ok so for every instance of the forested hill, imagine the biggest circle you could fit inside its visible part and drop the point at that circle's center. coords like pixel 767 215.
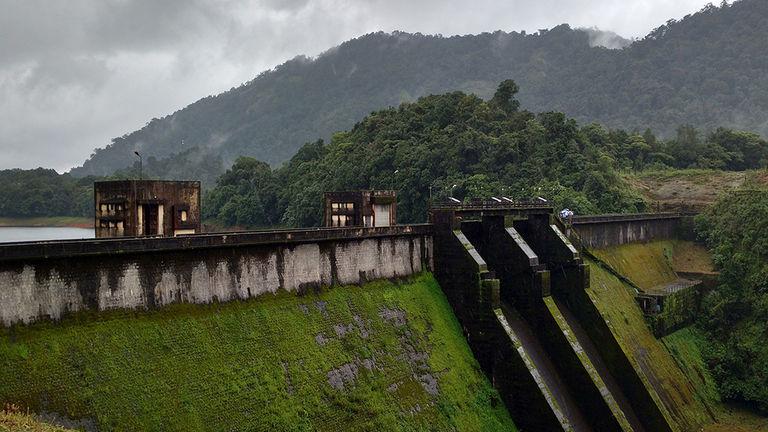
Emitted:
pixel 709 69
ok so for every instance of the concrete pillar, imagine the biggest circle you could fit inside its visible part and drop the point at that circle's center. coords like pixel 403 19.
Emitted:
pixel 140 223
pixel 160 220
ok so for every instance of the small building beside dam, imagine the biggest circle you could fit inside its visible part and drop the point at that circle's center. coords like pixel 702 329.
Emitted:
pixel 136 208
pixel 366 208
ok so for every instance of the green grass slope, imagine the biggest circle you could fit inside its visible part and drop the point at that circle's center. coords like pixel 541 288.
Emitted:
pixel 648 265
pixel 384 356
pixel 653 265
pixel 685 345
pixel 670 387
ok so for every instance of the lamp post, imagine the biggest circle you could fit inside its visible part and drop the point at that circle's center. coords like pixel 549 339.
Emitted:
pixel 431 186
pixel 140 164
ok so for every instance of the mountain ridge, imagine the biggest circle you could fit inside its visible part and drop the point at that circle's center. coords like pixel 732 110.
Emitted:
pixel 666 79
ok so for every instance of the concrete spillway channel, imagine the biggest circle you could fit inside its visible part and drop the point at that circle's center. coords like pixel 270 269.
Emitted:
pixel 556 351
pixel 542 370
pixel 589 350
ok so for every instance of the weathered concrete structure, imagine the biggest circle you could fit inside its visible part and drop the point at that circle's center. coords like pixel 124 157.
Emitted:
pixel 50 279
pixel 518 287
pixel 514 278
pixel 367 208
pixel 612 230
pixel 131 208
pixel 669 306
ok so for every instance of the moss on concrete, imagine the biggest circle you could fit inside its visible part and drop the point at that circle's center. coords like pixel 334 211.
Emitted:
pixel 385 356
pixel 669 386
pixel 691 257
pixel 685 346
pixel 647 265
pixel 653 265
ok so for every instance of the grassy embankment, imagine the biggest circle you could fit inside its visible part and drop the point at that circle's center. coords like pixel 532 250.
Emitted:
pixel 686 347
pixel 672 390
pixel 673 366
pixel 652 265
pixel 384 356
pixel 52 221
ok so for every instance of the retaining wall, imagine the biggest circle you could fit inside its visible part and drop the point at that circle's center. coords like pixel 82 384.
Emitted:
pixel 49 279
pixel 613 230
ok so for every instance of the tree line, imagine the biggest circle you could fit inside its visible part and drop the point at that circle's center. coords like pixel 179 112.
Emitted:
pixel 735 314
pixel 455 143
pixel 459 144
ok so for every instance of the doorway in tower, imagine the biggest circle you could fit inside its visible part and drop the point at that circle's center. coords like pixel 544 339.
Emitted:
pixel 150 219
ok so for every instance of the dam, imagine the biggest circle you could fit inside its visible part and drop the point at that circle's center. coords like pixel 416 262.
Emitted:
pixel 525 290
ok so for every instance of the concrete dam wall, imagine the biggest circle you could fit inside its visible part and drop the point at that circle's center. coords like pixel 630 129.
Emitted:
pixel 541 325
pixel 613 230
pixel 525 298
pixel 48 280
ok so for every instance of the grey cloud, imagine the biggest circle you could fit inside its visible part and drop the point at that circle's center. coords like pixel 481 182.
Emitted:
pixel 76 73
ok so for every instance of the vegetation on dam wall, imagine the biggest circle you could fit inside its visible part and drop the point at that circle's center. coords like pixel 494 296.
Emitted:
pixel 652 265
pixel 670 387
pixel 384 356
pixel 685 345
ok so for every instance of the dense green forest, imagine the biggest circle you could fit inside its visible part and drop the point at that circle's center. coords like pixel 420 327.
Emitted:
pixel 706 70
pixel 483 147
pixel 44 192
pixel 458 143
pixel 736 229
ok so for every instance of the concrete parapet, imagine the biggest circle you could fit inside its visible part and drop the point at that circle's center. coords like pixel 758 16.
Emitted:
pixel 119 246
pixel 50 279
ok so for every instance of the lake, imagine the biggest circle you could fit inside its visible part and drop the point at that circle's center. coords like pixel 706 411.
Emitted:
pixel 17 234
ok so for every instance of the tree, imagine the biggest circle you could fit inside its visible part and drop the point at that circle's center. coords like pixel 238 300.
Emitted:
pixel 245 195
pixel 504 98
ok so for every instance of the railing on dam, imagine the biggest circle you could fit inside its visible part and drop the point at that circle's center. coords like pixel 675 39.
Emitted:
pixel 618 217
pixel 494 205
pixel 112 246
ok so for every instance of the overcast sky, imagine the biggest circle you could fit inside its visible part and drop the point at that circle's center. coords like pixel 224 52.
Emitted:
pixel 76 73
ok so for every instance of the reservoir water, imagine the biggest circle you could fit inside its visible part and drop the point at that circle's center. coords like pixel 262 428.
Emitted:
pixel 18 234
